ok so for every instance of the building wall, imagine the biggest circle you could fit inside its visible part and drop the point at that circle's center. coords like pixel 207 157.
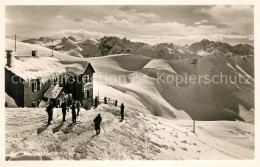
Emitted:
pixel 14 89
pixel 77 89
pixel 30 96
pixel 87 102
pixel 24 96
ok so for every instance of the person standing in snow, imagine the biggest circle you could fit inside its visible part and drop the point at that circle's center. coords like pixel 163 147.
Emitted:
pixel 63 109
pixel 69 99
pixel 116 103
pixel 105 100
pixel 97 122
pixel 49 110
pixel 78 105
pixel 122 111
pixel 73 111
pixel 96 102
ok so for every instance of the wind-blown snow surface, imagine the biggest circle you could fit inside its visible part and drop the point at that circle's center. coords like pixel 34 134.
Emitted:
pixel 209 101
pixel 139 136
pixel 136 76
pixel 168 135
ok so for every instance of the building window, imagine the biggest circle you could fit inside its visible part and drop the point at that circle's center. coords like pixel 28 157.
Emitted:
pixel 63 79
pixel 88 93
pixel 55 80
pixel 86 78
pixel 36 85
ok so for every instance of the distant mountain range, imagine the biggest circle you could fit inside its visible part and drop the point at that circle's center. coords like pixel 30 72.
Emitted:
pixel 114 45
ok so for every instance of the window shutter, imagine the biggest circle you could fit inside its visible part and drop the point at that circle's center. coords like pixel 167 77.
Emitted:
pixel 38 84
pixel 32 86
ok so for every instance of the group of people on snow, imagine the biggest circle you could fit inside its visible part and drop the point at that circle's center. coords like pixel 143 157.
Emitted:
pixel 66 104
pixel 69 103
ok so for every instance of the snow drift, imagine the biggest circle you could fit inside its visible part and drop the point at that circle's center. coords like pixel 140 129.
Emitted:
pixel 9 101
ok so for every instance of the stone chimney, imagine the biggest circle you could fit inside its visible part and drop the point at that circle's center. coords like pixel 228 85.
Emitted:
pixel 9 58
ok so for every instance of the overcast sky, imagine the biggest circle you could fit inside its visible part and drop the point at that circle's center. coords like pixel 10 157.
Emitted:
pixel 150 24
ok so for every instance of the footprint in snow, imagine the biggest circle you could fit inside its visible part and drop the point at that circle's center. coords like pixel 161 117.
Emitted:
pixel 183 148
pixel 184 141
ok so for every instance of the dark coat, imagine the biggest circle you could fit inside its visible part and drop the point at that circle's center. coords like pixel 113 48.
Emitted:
pixel 73 110
pixel 97 121
pixel 64 107
pixel 49 108
pixel 78 105
pixel 122 107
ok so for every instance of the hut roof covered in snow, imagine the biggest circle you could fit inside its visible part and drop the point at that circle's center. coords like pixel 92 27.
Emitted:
pixel 84 64
pixel 43 67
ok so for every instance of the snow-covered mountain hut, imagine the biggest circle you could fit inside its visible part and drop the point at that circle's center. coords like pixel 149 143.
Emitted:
pixel 30 79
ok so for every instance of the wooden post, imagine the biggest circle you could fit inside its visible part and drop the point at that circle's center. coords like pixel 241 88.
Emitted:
pixel 194 119
pixel 15 43
pixel 194 126
pixel 52 47
pixel 98 97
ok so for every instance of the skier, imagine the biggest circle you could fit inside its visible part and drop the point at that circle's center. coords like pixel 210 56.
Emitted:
pixel 116 103
pixel 105 100
pixel 69 99
pixel 78 105
pixel 96 102
pixel 73 111
pixel 97 121
pixel 122 111
pixel 64 108
pixel 49 110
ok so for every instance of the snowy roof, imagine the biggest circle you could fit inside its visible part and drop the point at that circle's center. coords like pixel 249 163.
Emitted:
pixel 44 67
pixel 53 92
pixel 83 64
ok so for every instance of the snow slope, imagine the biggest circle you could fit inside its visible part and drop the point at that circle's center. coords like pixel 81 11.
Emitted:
pixel 140 136
pixel 134 83
pixel 209 101
pixel 9 101
pixel 135 76
pixel 156 125
pixel 24 49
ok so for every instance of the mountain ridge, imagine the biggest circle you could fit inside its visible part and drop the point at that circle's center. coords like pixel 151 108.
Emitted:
pixel 108 45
